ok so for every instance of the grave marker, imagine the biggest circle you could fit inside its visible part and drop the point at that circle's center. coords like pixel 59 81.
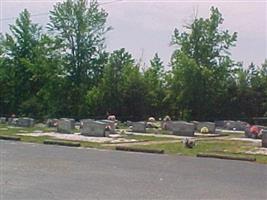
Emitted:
pixel 209 125
pixel 264 138
pixel 94 128
pixel 139 127
pixel 182 128
pixel 2 120
pixel 66 125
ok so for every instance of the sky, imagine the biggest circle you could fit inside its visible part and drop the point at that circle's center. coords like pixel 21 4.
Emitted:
pixel 145 27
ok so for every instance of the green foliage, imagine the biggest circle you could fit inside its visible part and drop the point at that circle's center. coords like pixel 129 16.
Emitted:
pixel 122 89
pixel 66 72
pixel 27 64
pixel 79 26
pixel 156 81
pixel 201 68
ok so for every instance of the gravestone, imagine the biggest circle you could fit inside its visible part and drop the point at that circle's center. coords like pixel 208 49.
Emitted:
pixel 25 122
pixel 94 128
pixel 182 128
pixel 139 127
pixel 52 122
pixel 235 125
pixel 195 122
pixel 220 124
pixel 65 125
pixel 209 125
pixel 166 125
pixel 110 124
pixel 13 121
pixel 2 120
pixel 129 123
pixel 264 138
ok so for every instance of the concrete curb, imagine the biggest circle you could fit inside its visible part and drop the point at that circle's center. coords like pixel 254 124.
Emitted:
pixel 225 157
pixel 133 149
pixel 13 138
pixel 62 143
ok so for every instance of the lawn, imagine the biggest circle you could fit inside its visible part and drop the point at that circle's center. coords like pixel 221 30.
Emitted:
pixel 222 147
pixel 209 145
pixel 148 138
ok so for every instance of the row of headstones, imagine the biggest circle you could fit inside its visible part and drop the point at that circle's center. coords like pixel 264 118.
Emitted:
pixel 232 125
pixel 21 122
pixel 181 128
pixel 88 127
pixel 176 126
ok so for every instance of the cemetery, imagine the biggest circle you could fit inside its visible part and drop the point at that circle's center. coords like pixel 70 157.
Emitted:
pixel 169 136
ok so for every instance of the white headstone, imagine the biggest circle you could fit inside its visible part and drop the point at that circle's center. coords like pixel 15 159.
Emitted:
pixel 94 128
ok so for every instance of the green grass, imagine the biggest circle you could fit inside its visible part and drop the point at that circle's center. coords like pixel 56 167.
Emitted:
pixel 16 130
pixel 62 143
pixel 208 146
pixel 147 138
pixel 40 139
pixel 203 146
pixel 216 146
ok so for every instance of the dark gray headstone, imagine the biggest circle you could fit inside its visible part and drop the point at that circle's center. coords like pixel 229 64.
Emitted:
pixel 139 127
pixel 235 125
pixel 25 122
pixel 195 122
pixel 181 128
pixel 220 124
pixel 209 125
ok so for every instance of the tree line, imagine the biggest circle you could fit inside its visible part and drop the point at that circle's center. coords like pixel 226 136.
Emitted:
pixel 64 70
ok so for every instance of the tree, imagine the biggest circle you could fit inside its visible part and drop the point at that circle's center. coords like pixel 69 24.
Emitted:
pixel 27 63
pixel 251 88
pixel 134 94
pixel 122 89
pixel 108 92
pixel 80 27
pixel 201 66
pixel 155 81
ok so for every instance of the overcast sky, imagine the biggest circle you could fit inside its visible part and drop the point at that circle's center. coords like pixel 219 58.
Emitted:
pixel 144 27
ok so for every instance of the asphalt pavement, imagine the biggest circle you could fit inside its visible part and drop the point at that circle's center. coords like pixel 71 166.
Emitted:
pixel 36 171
